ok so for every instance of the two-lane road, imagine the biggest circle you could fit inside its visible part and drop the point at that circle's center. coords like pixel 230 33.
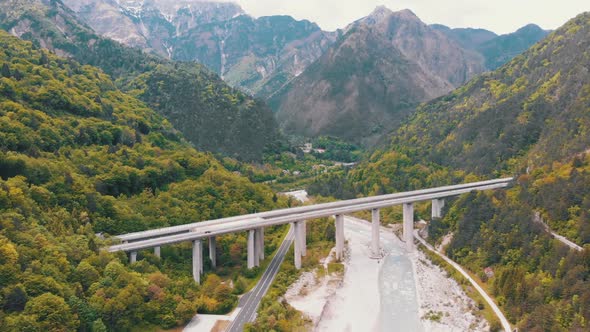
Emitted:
pixel 249 302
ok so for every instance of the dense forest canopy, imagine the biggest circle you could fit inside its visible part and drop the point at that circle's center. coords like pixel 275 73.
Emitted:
pixel 78 157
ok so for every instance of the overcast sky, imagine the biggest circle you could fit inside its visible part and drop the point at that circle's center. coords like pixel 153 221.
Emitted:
pixel 500 16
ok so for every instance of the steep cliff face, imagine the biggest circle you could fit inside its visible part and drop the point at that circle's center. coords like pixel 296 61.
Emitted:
pixel 257 55
pixel 150 24
pixel 365 83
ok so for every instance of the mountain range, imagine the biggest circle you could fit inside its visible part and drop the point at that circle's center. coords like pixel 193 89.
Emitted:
pixel 256 55
pixel 277 58
pixel 496 50
pixel 376 72
pixel 357 83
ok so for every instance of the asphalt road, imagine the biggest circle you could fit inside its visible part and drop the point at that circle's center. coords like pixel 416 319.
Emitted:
pixel 250 301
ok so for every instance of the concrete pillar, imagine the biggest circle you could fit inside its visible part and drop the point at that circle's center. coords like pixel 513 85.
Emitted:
pixel 303 238
pixel 213 251
pixel 157 252
pixel 197 260
pixel 409 225
pixel 251 249
pixel 261 237
pixel 133 257
pixel 375 234
pixel 339 236
pixel 257 247
pixel 437 206
pixel 297 243
pixel 201 265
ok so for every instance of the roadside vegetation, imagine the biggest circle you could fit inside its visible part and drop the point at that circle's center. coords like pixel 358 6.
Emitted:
pixel 274 313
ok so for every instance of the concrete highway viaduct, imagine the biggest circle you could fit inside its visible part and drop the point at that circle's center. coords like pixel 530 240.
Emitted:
pixel 255 224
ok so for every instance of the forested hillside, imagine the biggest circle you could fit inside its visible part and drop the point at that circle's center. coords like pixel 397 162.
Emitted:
pixel 528 119
pixel 78 157
pixel 210 114
pixel 528 113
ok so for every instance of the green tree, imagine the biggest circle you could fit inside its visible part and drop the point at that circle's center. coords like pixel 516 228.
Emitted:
pixel 5 71
pixel 15 298
pixel 51 313
pixel 85 274
pixel 98 326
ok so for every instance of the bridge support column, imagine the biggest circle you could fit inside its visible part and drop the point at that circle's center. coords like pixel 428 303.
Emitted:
pixel 157 252
pixel 213 251
pixel 133 257
pixel 437 206
pixel 251 249
pixel 339 236
pixel 197 260
pixel 297 244
pixel 261 243
pixel 257 246
pixel 409 225
pixel 375 232
pixel 303 237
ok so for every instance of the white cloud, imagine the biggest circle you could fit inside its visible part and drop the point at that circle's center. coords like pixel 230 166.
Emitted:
pixel 500 16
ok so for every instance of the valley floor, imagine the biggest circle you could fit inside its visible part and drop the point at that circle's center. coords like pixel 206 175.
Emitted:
pixel 398 292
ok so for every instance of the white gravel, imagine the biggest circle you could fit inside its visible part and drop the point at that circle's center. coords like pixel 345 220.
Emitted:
pixel 352 303
pixel 441 295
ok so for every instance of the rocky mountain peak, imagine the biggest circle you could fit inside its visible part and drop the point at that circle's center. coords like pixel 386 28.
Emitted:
pixel 380 13
pixel 383 19
pixel 406 14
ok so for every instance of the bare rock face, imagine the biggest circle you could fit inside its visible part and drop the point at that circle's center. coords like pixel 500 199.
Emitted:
pixel 432 50
pixel 150 24
pixel 256 55
pixel 382 67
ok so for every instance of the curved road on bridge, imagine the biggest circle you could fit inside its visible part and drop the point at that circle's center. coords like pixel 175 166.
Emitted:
pixel 249 302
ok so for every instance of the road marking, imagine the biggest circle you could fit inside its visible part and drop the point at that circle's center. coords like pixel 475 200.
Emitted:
pixel 256 294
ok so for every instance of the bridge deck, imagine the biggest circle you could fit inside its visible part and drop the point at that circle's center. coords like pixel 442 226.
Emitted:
pixel 143 235
pixel 190 232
